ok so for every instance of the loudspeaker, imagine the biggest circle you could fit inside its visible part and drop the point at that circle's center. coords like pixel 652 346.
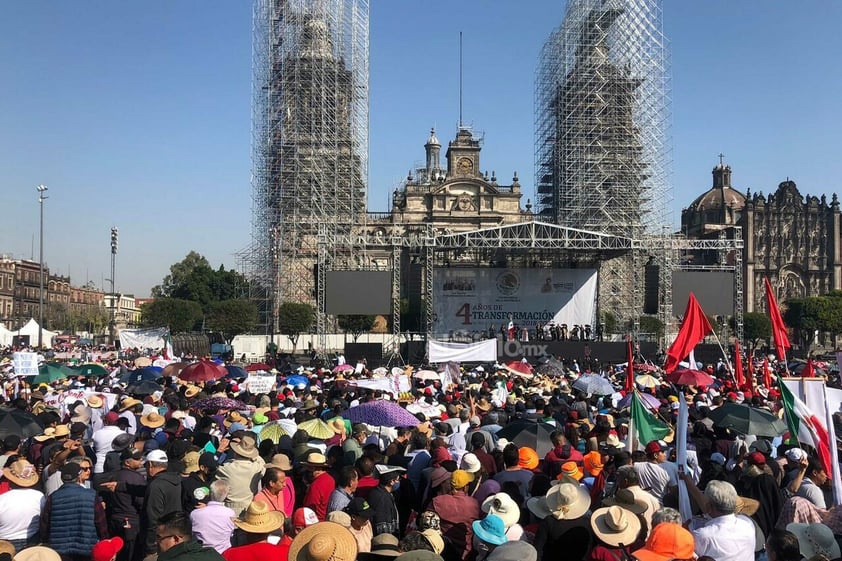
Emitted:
pixel 651 289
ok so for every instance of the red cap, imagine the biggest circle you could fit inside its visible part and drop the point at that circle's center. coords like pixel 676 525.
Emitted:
pixel 106 549
pixel 654 447
pixel 304 517
pixel 757 459
pixel 110 418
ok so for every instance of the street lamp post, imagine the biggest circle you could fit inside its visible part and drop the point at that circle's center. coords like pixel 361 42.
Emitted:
pixel 41 198
pixel 114 236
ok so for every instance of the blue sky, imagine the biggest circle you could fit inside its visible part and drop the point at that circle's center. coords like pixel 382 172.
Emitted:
pixel 137 114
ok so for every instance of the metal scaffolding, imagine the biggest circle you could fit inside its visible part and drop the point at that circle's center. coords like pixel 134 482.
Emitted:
pixel 601 126
pixel 309 145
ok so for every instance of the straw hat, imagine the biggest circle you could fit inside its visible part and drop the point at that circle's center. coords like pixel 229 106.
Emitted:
pixel 280 461
pixel 435 539
pixel 61 431
pixel 258 519
pixel 747 506
pixel 48 433
pixel 21 473
pixel 625 499
pixel 386 545
pixel 153 420
pixel 128 403
pixel 615 525
pixel 38 553
pixel 192 391
pixel 566 501
pixel 234 417
pixel 246 447
pixel 325 541
pixel 95 401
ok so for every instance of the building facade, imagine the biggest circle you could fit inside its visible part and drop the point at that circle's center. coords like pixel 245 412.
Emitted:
pixel 791 239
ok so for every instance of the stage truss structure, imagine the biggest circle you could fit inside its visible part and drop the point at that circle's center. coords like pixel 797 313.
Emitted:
pixel 539 244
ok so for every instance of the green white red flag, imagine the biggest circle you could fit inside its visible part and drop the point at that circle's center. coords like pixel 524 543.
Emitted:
pixel 805 425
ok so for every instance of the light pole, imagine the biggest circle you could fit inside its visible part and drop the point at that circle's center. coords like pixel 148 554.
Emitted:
pixel 41 198
pixel 114 235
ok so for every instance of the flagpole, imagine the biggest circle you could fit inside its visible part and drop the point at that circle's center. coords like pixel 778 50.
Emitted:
pixel 725 356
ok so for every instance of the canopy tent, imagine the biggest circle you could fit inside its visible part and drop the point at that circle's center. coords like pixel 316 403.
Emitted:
pixel 5 336
pixel 31 329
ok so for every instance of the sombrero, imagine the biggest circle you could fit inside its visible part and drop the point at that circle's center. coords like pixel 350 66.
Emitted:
pixel 324 541
pixel 258 519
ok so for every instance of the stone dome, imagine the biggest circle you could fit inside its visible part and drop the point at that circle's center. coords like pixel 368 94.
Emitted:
pixel 721 194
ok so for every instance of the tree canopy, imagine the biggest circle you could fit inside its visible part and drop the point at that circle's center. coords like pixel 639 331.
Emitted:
pixel 295 318
pixel 756 327
pixel 356 325
pixel 177 314
pixel 232 317
pixel 195 280
pixel 807 315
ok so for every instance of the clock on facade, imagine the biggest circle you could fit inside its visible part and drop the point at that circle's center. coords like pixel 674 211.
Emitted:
pixel 465 165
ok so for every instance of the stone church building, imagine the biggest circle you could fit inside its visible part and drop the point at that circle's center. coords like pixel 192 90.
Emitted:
pixel 792 239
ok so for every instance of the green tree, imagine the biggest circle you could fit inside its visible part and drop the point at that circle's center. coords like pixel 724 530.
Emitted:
pixel 294 318
pixel 756 327
pixel 356 325
pixel 194 279
pixel 232 317
pixel 651 324
pixel 177 314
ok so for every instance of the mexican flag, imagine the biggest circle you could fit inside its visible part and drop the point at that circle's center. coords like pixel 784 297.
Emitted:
pixel 806 426
pixel 643 425
pixel 168 351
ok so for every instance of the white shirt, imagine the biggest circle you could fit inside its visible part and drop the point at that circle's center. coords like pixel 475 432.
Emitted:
pixel 20 513
pixel 102 440
pixel 727 538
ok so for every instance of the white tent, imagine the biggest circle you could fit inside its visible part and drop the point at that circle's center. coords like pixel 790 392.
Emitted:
pixel 5 336
pixel 31 329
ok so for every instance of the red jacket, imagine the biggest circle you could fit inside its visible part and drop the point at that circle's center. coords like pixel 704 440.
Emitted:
pixel 318 494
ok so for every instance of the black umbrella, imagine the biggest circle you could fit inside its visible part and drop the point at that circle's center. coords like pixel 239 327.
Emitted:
pixel 21 423
pixel 745 419
pixel 139 375
pixel 144 387
pixel 531 434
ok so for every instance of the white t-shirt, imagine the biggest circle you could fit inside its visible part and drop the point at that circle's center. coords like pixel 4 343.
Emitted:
pixel 102 440
pixel 20 513
pixel 726 538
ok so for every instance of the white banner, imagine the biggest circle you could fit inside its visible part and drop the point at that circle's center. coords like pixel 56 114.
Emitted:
pixel 475 300
pixel 484 351
pixel 152 338
pixel 26 364
pixel 394 384
pixel 260 384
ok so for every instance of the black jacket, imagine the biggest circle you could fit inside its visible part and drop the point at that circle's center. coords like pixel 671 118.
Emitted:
pixel 163 496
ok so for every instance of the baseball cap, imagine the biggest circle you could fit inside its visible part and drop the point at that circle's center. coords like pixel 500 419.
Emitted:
pixel 360 507
pixel 131 453
pixel 757 459
pixel 304 517
pixel 718 458
pixel 207 460
pixel 70 471
pixel 110 418
pixel 668 540
pixel 105 550
pixel 795 454
pixel 654 447
pixel 157 456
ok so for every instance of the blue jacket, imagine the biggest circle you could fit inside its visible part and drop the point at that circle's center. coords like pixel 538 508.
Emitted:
pixel 72 524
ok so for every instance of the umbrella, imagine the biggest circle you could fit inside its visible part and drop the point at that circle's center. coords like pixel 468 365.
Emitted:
pixel 593 384
pixel 273 431
pixel 142 362
pixel 144 387
pixel 258 366
pixel 48 373
pixel 135 376
pixel 745 419
pixel 174 368
pixel 647 381
pixel 202 371
pixel 427 375
pixel 519 368
pixel 214 403
pixel 342 368
pixel 690 377
pixel 91 369
pixel 235 372
pixel 645 367
pixel 381 413
pixel 380 371
pixel 21 423
pixel 648 400
pixel 297 381
pixel 531 434
pixel 798 366
pixel 317 428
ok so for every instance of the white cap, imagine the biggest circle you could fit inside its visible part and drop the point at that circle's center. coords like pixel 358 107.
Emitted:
pixel 157 456
pixel 383 469
pixel 795 454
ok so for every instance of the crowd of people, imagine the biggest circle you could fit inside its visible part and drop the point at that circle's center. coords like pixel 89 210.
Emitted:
pixel 199 471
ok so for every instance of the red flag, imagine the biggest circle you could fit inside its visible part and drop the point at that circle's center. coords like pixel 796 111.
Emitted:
pixel 629 387
pixel 741 379
pixel 778 327
pixel 767 377
pixel 808 371
pixel 693 330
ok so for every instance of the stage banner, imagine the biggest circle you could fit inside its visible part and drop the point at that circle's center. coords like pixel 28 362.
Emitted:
pixel 152 338
pixel 478 300
pixel 441 352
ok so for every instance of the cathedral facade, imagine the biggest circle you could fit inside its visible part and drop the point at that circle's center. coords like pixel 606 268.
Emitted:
pixel 793 240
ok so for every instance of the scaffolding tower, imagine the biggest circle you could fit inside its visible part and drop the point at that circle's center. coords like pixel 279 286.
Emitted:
pixel 309 147
pixel 601 127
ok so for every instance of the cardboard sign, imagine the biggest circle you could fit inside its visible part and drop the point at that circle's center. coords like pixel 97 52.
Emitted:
pixel 260 384
pixel 26 364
